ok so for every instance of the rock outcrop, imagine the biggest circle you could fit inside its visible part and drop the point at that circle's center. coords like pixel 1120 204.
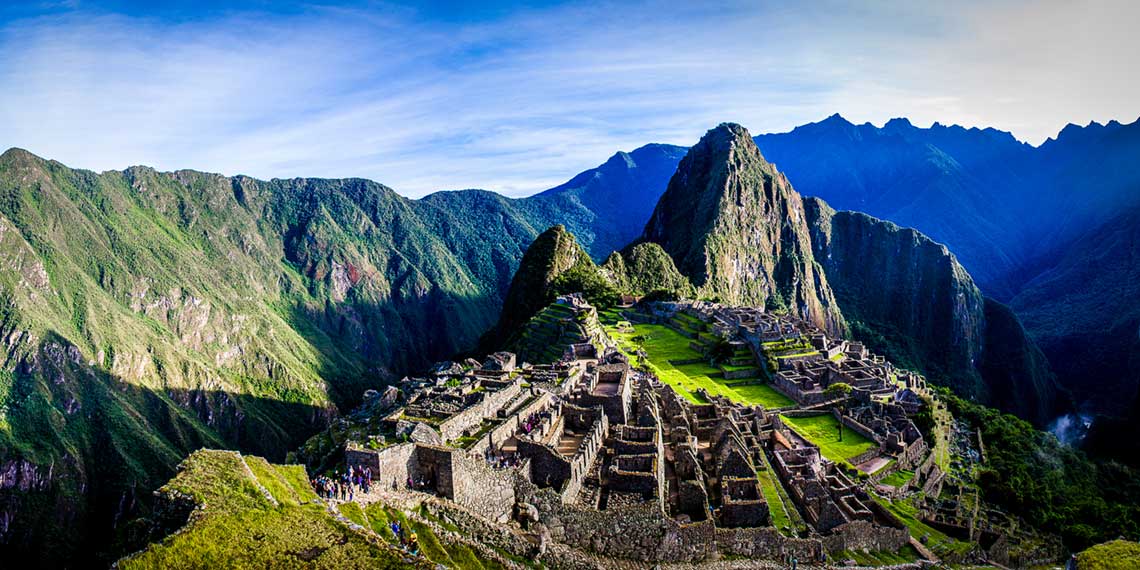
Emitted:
pixel 734 226
pixel 908 297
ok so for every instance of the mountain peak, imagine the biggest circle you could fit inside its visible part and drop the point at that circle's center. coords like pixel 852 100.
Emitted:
pixel 898 123
pixel 16 155
pixel 724 135
pixel 728 218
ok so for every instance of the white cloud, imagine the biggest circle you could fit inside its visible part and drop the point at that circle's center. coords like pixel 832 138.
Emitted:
pixel 522 102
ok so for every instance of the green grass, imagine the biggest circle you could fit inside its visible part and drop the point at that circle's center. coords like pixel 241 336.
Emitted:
pixel 240 528
pixel 898 478
pixel 430 544
pixel 937 541
pixel 272 480
pixel 822 430
pixel 788 520
pixel 737 367
pixel 663 345
pixel 352 512
pixel 1114 555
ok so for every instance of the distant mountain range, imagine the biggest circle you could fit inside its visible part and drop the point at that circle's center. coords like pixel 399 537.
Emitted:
pixel 146 314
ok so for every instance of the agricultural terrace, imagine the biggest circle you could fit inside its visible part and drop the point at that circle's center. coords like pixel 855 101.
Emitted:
pixel 823 431
pixel 663 346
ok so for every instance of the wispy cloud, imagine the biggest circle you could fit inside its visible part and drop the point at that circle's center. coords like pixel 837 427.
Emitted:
pixel 520 100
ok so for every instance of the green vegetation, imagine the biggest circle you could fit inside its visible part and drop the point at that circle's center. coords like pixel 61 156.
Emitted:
pixel 785 517
pixel 898 478
pixel 934 539
pixel 1054 487
pixel 1114 555
pixel 166 312
pixel 823 431
pixel 645 268
pixel 239 527
pixel 353 512
pixel 663 346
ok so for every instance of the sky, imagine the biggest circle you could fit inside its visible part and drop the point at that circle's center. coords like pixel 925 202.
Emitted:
pixel 519 97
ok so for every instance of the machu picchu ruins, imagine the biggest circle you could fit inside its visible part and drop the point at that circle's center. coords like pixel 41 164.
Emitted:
pixel 599 454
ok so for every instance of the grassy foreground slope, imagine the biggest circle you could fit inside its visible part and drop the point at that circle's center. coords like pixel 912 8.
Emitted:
pixel 253 514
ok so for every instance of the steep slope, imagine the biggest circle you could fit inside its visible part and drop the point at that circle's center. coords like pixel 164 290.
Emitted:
pixel 938 180
pixel 553 265
pixel 1004 207
pixel 1084 313
pixel 147 314
pixel 644 268
pixel 243 511
pixel 735 227
pixel 908 297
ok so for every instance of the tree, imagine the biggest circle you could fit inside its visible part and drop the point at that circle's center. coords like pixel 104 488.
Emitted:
pixel 838 388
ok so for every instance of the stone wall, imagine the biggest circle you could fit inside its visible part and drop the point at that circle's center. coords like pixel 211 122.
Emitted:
pixel 644 533
pixel 856 427
pixel 865 456
pixel 454 427
pixel 743 373
pixel 864 535
pixel 510 426
pixel 477 486
pixel 390 466
pixel 766 543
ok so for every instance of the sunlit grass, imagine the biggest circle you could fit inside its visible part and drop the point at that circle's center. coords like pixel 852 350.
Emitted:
pixel 823 431
pixel 663 346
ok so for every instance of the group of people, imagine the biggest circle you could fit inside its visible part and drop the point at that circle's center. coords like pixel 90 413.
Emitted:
pixel 420 483
pixel 502 460
pixel 410 543
pixel 534 420
pixel 343 485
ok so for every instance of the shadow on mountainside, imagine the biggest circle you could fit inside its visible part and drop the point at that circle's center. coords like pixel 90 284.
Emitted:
pixel 83 451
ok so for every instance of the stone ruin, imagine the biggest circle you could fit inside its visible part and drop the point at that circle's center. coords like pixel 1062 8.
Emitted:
pixel 607 458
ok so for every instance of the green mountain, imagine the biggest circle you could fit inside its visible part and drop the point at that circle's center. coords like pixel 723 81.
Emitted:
pixel 644 268
pixel 736 228
pixel 908 297
pixel 605 207
pixel 147 314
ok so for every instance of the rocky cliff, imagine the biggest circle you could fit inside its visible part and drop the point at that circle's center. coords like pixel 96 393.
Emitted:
pixel 734 226
pixel 909 298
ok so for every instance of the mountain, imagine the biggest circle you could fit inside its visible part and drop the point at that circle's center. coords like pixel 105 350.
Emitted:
pixel 938 180
pixel 735 227
pixel 1027 222
pixel 1083 310
pixel 607 206
pixel 908 296
pixel 644 268
pixel 553 258
pixel 147 314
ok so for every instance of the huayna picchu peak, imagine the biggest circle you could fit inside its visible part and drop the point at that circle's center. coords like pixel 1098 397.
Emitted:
pixel 734 225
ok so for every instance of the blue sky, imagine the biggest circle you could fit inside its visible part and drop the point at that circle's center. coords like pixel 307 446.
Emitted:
pixel 519 97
